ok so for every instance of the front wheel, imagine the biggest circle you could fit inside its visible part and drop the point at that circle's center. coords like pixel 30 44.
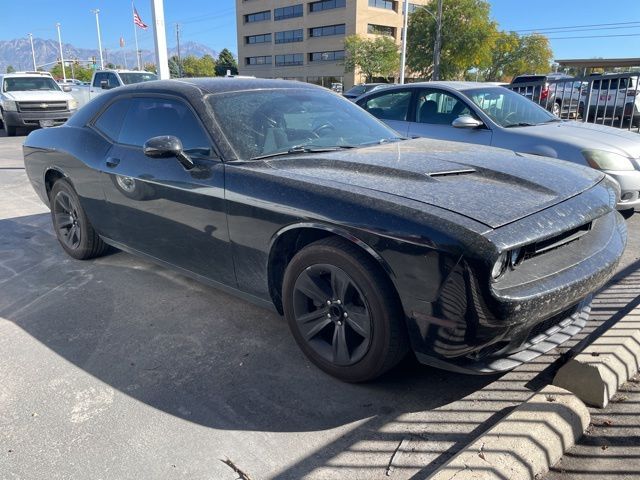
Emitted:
pixel 71 225
pixel 343 311
pixel 555 109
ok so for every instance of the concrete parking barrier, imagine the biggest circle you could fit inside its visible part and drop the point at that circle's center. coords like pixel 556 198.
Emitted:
pixel 595 374
pixel 526 443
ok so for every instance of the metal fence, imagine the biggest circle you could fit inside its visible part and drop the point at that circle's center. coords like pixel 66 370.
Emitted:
pixel 610 99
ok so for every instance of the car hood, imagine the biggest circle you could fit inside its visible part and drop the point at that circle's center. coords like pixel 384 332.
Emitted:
pixel 489 185
pixel 587 136
pixel 38 95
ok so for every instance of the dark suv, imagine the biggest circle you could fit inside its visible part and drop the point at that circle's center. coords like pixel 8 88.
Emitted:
pixel 551 91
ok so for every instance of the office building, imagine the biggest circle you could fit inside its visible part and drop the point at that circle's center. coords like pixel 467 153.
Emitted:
pixel 304 40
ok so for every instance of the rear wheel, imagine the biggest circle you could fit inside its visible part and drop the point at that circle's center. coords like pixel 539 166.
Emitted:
pixel 343 311
pixel 71 225
pixel 555 109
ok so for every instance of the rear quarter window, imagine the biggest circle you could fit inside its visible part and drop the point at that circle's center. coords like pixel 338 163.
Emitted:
pixel 110 121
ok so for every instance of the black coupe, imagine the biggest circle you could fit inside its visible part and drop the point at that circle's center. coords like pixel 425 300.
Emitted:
pixel 370 244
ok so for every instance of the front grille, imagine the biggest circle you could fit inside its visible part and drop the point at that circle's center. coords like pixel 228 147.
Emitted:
pixel 42 106
pixel 556 241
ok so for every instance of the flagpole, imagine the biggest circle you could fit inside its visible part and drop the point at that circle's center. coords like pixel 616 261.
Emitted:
pixel 135 35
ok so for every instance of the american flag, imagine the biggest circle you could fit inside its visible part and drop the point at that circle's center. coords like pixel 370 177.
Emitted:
pixel 137 20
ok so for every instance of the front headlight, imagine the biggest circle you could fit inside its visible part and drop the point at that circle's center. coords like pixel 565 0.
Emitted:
pixel 10 106
pixel 603 160
pixel 73 104
pixel 500 266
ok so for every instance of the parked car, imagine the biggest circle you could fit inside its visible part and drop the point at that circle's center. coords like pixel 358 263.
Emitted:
pixel 33 99
pixel 297 199
pixel 357 90
pixel 107 79
pixel 555 92
pixel 484 114
pixel 614 96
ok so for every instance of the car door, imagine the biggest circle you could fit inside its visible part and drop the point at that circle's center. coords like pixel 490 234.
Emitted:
pixel 392 107
pixel 434 112
pixel 158 206
pixel 95 88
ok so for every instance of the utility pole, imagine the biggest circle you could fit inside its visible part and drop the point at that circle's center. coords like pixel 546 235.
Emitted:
pixel 33 52
pixel 403 58
pixel 179 58
pixel 160 39
pixel 96 11
pixel 437 46
pixel 64 73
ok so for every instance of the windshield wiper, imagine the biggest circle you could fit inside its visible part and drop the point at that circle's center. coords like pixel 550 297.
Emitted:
pixel 520 124
pixel 304 149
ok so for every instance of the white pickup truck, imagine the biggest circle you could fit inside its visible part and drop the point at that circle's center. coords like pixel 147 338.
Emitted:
pixel 33 99
pixel 107 79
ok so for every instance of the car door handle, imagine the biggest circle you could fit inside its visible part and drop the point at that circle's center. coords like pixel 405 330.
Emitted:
pixel 112 162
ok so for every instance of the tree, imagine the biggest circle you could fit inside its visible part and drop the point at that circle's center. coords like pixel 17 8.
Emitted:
pixel 149 67
pixel 199 67
pixel 10 69
pixel 175 67
pixel 226 61
pixel 378 57
pixel 468 35
pixel 515 55
pixel 79 72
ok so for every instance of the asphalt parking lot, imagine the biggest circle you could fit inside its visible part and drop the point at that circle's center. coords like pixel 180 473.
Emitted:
pixel 117 368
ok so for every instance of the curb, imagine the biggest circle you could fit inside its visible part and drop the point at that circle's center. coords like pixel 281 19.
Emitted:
pixel 595 374
pixel 526 443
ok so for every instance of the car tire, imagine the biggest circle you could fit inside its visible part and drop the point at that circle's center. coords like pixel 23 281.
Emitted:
pixel 343 311
pixel 10 130
pixel 556 108
pixel 71 225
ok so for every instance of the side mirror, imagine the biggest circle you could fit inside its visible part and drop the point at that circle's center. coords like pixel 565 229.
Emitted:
pixel 66 88
pixel 466 121
pixel 167 146
pixel 104 84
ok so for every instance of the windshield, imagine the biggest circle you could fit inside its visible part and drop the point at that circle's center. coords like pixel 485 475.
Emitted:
pixel 137 77
pixel 20 84
pixel 357 90
pixel 263 122
pixel 507 108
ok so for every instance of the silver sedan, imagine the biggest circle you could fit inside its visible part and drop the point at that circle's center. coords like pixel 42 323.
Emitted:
pixel 488 114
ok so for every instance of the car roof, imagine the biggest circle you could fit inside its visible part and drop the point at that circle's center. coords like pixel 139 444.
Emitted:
pixel 26 74
pixel 220 84
pixel 451 85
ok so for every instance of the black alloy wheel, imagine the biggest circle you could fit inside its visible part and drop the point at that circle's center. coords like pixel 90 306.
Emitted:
pixel 343 310
pixel 66 221
pixel 332 314
pixel 71 225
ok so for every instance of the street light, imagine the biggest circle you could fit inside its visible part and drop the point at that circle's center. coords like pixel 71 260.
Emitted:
pixel 96 11
pixel 33 52
pixel 64 73
pixel 436 45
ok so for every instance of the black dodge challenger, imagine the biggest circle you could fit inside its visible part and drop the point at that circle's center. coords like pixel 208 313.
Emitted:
pixel 370 244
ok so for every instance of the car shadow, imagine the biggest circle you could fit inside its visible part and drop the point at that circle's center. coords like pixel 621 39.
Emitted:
pixel 190 350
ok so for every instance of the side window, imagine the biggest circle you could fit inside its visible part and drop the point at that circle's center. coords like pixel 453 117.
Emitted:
pixel 439 108
pixel 110 121
pixel 112 80
pixel 152 117
pixel 389 106
pixel 97 79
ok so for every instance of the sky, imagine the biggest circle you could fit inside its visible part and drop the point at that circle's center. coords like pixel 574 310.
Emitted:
pixel 212 22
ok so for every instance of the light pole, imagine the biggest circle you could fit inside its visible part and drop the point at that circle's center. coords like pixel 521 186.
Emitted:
pixel 162 60
pixel 33 52
pixel 436 44
pixel 96 11
pixel 64 73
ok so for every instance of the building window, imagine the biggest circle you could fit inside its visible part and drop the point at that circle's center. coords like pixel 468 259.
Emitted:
pixel 381 30
pixel 288 12
pixel 326 5
pixel 388 4
pixel 257 17
pixel 289 59
pixel 265 60
pixel 326 56
pixel 325 81
pixel 289 36
pixel 265 38
pixel 327 31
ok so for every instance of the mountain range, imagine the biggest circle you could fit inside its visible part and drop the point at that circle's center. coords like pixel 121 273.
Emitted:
pixel 17 53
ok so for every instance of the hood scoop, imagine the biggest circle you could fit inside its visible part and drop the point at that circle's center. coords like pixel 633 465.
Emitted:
pixel 451 173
